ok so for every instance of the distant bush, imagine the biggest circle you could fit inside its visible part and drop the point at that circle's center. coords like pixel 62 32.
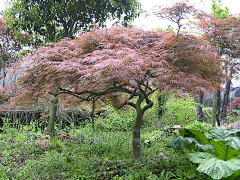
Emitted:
pixel 181 111
pixel 116 120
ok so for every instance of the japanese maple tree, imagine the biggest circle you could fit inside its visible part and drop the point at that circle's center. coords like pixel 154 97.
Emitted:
pixel 129 63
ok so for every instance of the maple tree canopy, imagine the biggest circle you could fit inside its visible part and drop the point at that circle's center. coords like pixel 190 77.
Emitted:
pixel 119 60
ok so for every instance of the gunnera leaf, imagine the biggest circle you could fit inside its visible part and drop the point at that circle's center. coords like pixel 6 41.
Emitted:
pixel 214 167
pixel 233 142
pixel 224 151
pixel 195 134
pixel 190 144
pixel 220 133
pixel 199 157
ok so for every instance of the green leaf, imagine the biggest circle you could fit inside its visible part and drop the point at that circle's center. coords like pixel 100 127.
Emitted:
pixel 195 134
pixel 223 151
pixel 190 144
pixel 233 142
pixel 199 157
pixel 219 169
pixel 220 133
pixel 3 174
pixel 233 176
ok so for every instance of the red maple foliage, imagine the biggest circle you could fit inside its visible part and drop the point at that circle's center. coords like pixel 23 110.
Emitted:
pixel 131 63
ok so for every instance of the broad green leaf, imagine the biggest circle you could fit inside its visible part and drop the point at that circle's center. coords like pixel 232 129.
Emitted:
pixel 220 133
pixel 190 144
pixel 234 176
pixel 223 151
pixel 233 142
pixel 195 134
pixel 219 169
pixel 182 143
pixel 200 157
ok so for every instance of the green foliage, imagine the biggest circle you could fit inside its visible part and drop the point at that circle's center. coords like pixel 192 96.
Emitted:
pixel 50 20
pixel 116 120
pixel 218 10
pixel 201 126
pixel 3 174
pixel 180 111
pixel 233 116
pixel 170 29
pixel 217 153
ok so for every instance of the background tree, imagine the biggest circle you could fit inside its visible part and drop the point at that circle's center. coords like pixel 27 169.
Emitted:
pixel 9 49
pixel 179 14
pixel 128 62
pixel 54 19
pixel 223 31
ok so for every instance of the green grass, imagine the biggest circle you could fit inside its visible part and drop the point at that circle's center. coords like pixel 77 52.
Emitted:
pixel 81 154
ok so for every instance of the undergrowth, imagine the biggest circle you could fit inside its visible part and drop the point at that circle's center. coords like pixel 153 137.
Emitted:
pixel 78 153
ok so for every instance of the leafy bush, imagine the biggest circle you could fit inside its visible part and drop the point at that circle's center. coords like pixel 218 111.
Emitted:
pixel 217 153
pixel 201 126
pixel 116 120
pixel 180 111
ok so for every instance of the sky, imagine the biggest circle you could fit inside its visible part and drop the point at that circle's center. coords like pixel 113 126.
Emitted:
pixel 150 22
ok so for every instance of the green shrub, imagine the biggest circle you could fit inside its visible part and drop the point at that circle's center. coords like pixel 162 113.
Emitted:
pixel 179 111
pixel 116 120
pixel 207 111
pixel 201 126
pixel 233 116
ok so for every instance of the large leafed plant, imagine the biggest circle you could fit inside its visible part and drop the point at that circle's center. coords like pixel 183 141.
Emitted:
pixel 218 153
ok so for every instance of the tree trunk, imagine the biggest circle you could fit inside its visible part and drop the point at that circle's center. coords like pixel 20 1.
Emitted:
pixel 161 101
pixel 214 109
pixel 225 101
pixel 136 135
pixel 218 107
pixel 52 118
pixel 199 108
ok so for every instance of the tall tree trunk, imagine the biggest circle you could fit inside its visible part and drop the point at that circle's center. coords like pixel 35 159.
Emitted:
pixel 161 101
pixel 52 118
pixel 218 107
pixel 199 108
pixel 225 101
pixel 214 109
pixel 136 134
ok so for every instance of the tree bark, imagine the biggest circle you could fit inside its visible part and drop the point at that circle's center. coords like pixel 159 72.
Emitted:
pixel 52 118
pixel 199 108
pixel 161 101
pixel 136 135
pixel 218 107
pixel 225 101
pixel 214 109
